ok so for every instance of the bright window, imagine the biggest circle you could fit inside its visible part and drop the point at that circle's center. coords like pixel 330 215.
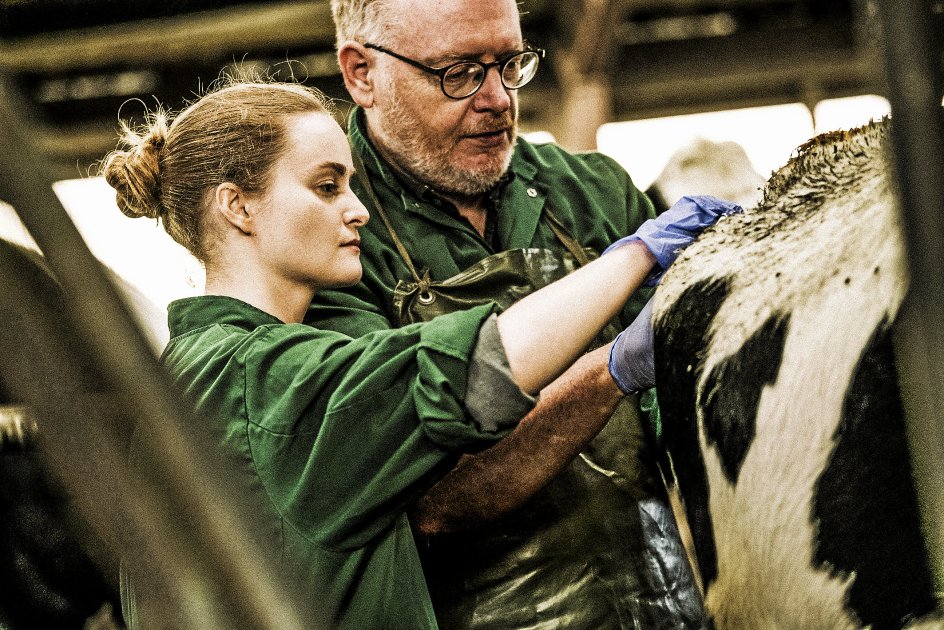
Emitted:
pixel 144 255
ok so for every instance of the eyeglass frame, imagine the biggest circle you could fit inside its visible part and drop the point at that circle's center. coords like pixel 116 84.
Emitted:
pixel 486 66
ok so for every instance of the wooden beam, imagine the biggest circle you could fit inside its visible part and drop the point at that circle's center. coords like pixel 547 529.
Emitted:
pixel 582 68
pixel 195 36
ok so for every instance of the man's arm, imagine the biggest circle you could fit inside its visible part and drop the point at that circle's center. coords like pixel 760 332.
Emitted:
pixel 571 411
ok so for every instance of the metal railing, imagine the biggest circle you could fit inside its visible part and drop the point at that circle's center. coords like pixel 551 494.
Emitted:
pixel 914 89
pixel 89 376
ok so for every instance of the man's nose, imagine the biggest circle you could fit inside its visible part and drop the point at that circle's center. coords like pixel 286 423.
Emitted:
pixel 493 95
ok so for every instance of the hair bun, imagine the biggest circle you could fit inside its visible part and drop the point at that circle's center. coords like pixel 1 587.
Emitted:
pixel 135 173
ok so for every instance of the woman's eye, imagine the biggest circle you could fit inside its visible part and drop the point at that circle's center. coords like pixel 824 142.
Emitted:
pixel 328 188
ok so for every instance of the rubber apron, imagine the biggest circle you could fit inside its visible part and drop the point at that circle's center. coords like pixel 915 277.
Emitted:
pixel 598 547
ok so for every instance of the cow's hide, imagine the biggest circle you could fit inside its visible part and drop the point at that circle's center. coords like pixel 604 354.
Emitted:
pixel 780 402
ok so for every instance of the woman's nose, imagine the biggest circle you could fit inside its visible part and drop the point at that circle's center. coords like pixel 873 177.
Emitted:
pixel 356 214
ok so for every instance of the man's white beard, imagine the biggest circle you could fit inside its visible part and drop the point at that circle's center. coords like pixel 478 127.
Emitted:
pixel 406 142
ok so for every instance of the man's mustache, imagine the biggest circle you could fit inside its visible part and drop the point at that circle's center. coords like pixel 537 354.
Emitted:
pixel 501 122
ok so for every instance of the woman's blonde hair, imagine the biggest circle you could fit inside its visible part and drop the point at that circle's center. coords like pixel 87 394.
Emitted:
pixel 232 134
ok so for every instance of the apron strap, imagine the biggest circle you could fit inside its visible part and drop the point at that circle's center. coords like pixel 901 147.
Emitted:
pixel 561 233
pixel 365 182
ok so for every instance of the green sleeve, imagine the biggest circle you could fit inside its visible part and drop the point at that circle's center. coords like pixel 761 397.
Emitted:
pixel 649 406
pixel 345 433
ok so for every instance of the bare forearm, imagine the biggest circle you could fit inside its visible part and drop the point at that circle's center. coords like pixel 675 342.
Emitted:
pixel 485 486
pixel 546 331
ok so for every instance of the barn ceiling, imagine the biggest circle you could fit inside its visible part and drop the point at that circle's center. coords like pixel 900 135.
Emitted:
pixel 77 61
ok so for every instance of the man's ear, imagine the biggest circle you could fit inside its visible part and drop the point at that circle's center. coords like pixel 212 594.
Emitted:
pixel 356 67
pixel 232 203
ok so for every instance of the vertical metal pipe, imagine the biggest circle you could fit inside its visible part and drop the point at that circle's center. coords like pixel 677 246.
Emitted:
pixel 213 565
pixel 914 90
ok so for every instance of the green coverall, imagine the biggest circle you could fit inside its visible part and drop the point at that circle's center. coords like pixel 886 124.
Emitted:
pixel 333 437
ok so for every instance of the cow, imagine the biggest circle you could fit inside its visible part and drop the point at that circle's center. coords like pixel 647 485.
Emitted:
pixel 781 413
pixel 50 560
pixel 706 167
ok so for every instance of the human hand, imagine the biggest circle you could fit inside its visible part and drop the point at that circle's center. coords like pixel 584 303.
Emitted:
pixel 673 230
pixel 632 359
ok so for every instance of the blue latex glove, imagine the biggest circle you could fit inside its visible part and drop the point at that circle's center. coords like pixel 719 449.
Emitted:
pixel 675 229
pixel 632 359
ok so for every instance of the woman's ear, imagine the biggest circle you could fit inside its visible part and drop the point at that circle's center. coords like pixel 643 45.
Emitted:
pixel 233 204
pixel 356 67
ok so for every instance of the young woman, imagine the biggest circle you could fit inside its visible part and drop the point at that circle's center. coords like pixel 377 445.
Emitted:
pixel 337 436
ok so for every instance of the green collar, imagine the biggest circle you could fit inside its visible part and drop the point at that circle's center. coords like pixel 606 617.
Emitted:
pixel 189 314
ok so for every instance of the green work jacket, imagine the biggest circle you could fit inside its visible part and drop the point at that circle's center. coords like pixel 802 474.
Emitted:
pixel 546 564
pixel 590 193
pixel 333 437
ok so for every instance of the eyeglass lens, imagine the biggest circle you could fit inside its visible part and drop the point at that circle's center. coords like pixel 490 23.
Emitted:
pixel 464 79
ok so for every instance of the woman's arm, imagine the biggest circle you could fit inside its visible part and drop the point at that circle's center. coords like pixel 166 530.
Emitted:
pixel 546 331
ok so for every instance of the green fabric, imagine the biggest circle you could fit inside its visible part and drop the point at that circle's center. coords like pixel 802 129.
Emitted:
pixel 590 193
pixel 519 571
pixel 335 436
pixel 649 406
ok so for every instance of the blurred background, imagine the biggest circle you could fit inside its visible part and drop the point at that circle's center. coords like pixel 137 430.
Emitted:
pixel 638 79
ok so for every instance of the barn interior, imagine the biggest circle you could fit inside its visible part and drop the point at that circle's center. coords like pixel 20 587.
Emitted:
pixel 77 62
pixel 68 67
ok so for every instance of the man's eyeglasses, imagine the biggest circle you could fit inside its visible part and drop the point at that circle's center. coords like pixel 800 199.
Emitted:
pixel 463 79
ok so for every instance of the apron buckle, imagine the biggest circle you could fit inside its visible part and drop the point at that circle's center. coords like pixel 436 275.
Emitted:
pixel 425 296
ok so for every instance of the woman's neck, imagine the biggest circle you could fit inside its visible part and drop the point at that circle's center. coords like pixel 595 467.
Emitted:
pixel 287 301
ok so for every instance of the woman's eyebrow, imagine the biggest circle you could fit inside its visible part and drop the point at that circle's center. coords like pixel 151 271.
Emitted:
pixel 335 167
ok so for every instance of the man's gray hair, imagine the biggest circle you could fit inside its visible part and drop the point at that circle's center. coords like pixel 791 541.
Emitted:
pixel 361 20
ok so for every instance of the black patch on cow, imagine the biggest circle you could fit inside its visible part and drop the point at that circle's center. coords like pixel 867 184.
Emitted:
pixel 733 390
pixel 680 336
pixel 865 503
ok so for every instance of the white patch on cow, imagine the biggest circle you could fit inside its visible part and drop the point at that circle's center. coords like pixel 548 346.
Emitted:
pixel 837 272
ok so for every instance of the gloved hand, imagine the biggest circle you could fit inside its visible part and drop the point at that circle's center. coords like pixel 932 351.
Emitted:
pixel 632 360
pixel 673 230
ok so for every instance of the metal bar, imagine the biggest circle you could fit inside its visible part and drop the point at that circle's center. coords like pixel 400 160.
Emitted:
pixel 176 509
pixel 914 90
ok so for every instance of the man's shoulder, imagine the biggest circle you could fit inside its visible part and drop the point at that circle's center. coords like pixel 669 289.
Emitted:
pixel 584 172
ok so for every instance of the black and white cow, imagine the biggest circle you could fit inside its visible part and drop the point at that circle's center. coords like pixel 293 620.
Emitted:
pixel 780 401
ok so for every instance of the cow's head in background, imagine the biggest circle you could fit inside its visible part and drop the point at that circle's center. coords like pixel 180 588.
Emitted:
pixel 780 400
pixel 705 167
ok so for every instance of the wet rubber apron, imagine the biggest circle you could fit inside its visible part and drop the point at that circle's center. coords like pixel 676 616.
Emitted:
pixel 598 547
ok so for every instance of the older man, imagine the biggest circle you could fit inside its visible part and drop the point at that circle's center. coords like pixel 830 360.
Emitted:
pixel 465 211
